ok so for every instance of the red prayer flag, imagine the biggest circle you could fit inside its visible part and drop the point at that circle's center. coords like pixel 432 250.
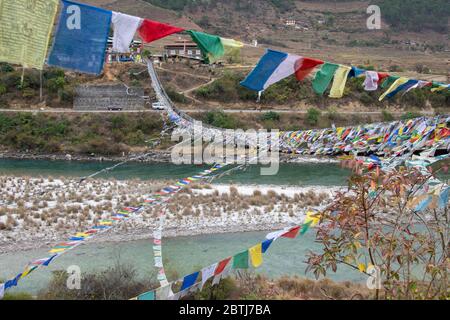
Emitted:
pixel 382 76
pixel 153 30
pixel 305 66
pixel 292 234
pixel 221 266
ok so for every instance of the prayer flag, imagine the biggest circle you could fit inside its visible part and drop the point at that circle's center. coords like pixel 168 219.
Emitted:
pixel 409 84
pixel 356 72
pixel 362 267
pixel 256 255
pixel 397 83
pixel 382 76
pixel 323 77
pixel 292 234
pixel 208 272
pixel 305 66
pixel 189 281
pixel 274 66
pixel 209 44
pixel 305 227
pixel 125 27
pixel 2 290
pixel 339 81
pixel 25 30
pixel 371 81
pixel 312 217
pixel 152 30
pixel 240 261
pixel 81 38
pixel 389 80
pixel 230 47
pixel 221 266
pixel 162 293
pixel 147 296
pixel 28 270
pixel 266 244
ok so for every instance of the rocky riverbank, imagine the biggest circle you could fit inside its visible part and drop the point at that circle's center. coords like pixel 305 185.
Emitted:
pixel 154 156
pixel 36 212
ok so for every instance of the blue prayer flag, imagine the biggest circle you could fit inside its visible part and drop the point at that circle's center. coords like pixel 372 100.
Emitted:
pixel 81 38
pixel 404 86
pixel 265 245
pixel 356 72
pixel 258 79
pixel 47 262
pixel 189 281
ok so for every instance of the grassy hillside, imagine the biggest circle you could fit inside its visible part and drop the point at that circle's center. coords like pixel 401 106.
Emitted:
pixel 101 134
pixel 291 93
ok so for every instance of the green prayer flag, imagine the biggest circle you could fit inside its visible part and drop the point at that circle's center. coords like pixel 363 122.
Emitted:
pixel 210 45
pixel 305 227
pixel 240 261
pixel 389 81
pixel 323 77
pixel 147 296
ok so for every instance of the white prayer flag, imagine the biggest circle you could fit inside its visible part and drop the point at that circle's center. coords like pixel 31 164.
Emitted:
pixel 125 27
pixel 207 273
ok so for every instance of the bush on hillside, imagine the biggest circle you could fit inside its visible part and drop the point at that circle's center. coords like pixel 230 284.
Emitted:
pixel 270 116
pixel 119 282
pixel 313 116
pixel 220 119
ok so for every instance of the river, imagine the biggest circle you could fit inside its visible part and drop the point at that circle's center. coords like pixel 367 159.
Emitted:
pixel 184 254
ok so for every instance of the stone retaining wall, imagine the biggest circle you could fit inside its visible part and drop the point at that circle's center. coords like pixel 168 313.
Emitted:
pixel 104 97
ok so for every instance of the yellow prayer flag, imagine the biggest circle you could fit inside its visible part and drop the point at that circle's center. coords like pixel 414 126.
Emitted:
pixel 230 47
pixel 339 81
pixel 230 43
pixel 57 250
pixel 312 217
pixel 82 235
pixel 440 88
pixel 362 267
pixel 27 271
pixel 256 255
pixel 395 85
pixel 25 30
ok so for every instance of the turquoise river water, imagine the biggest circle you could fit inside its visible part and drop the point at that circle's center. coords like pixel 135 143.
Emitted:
pixel 184 254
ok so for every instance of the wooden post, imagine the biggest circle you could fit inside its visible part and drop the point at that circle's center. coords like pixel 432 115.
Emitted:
pixel 40 87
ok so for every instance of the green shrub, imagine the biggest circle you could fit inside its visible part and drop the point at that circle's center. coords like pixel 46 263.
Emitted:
pixel 313 116
pixel 28 93
pixel 119 282
pixel 3 90
pixel 410 115
pixel 396 68
pixel 53 73
pixel 332 114
pixel 10 80
pixel 176 96
pixel 55 84
pixel 220 119
pixel 66 95
pixel 367 99
pixel 102 146
pixel 31 79
pixel 18 296
pixel 270 116
pixel 387 116
pixel 135 138
pixel 6 67
pixel 222 291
